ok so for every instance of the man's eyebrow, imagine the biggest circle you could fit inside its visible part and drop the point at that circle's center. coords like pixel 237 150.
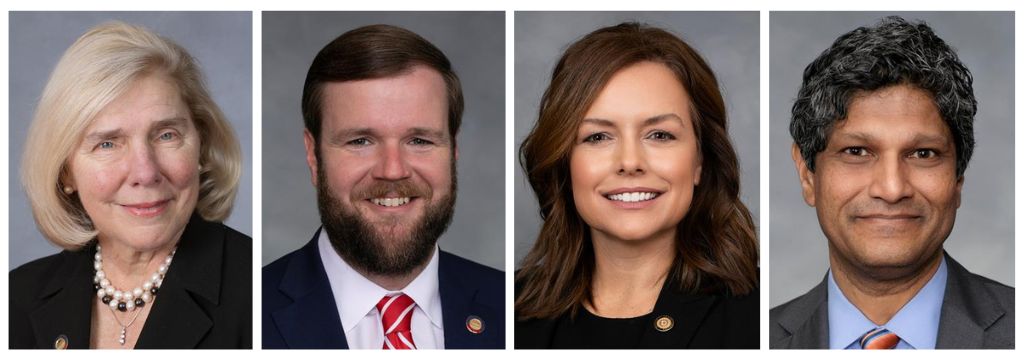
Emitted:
pixel 427 132
pixel 343 134
pixel 918 137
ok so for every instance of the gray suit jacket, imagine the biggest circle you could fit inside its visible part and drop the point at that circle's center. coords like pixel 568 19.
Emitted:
pixel 977 313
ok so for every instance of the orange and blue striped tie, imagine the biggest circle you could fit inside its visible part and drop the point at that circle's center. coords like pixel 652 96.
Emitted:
pixel 396 315
pixel 879 338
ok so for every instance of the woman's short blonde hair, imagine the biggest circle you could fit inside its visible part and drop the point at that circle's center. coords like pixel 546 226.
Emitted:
pixel 95 70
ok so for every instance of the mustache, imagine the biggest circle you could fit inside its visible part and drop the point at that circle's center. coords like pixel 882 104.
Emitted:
pixel 400 188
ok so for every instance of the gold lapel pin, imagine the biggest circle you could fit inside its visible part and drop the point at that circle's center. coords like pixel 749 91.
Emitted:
pixel 664 323
pixel 474 324
pixel 61 343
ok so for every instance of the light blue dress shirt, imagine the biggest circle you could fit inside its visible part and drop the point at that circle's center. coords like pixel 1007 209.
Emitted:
pixel 917 323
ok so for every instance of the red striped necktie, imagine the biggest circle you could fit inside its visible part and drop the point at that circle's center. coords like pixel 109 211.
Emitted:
pixel 879 338
pixel 396 315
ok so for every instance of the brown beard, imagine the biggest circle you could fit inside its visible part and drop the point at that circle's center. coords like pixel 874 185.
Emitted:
pixel 367 248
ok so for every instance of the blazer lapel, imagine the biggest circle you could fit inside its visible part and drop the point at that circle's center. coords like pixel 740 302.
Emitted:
pixel 177 319
pixel 68 300
pixel 807 322
pixel 459 305
pixel 686 312
pixel 967 312
pixel 312 320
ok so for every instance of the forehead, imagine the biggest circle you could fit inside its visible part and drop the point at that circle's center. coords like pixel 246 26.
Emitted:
pixel 893 114
pixel 641 91
pixel 149 97
pixel 413 99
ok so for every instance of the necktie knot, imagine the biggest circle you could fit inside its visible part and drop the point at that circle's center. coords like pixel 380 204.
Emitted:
pixel 396 317
pixel 879 338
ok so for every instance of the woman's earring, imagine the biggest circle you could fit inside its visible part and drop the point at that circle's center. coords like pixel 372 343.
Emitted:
pixel 68 190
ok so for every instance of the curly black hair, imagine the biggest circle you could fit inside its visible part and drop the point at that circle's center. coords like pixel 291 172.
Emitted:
pixel 892 52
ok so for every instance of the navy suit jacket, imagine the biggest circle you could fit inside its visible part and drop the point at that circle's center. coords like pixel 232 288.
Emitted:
pixel 299 310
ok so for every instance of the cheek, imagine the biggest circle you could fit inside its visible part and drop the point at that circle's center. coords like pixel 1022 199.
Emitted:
pixel 584 168
pixel 97 181
pixel 180 167
pixel 435 169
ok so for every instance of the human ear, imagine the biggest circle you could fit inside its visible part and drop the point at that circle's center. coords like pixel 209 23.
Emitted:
pixel 805 175
pixel 311 159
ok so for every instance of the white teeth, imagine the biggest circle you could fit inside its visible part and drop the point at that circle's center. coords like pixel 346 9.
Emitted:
pixel 633 196
pixel 390 202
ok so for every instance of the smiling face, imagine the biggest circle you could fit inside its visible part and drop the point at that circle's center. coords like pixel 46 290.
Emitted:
pixel 885 188
pixel 385 171
pixel 136 170
pixel 635 159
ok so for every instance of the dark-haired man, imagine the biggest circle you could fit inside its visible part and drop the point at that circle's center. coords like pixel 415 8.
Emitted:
pixel 382 108
pixel 883 132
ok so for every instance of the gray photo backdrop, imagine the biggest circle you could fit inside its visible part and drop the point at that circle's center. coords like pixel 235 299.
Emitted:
pixel 728 41
pixel 982 239
pixel 220 41
pixel 475 44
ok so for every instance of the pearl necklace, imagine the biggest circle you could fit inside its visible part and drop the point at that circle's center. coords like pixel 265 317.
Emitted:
pixel 132 300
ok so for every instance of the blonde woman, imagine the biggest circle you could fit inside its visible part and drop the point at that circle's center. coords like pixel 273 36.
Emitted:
pixel 130 167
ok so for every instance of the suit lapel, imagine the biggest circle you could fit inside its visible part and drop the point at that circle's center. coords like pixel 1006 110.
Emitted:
pixel 68 303
pixel 686 311
pixel 312 320
pixel 178 319
pixel 967 310
pixel 458 303
pixel 807 321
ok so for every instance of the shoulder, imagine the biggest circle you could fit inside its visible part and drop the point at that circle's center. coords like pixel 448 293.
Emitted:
pixel 274 272
pixel 28 279
pixel 237 245
pixel 469 270
pixel 489 282
pixel 1001 293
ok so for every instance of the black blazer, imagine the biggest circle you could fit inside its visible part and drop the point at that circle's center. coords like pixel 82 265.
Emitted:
pixel 701 321
pixel 205 302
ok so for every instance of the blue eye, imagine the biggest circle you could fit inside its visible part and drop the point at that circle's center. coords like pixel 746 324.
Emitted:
pixel 105 145
pixel 167 136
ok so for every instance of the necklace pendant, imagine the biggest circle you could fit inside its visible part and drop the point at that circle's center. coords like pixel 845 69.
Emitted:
pixel 124 331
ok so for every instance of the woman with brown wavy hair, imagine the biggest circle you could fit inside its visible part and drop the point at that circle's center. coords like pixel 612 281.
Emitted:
pixel 645 243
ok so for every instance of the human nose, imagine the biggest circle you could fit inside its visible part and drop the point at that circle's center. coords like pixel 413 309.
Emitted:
pixel 392 165
pixel 891 182
pixel 145 168
pixel 632 159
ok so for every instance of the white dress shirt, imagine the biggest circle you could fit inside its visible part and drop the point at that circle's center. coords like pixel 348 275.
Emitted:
pixel 356 298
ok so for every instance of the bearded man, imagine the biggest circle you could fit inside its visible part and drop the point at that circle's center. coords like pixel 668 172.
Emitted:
pixel 382 108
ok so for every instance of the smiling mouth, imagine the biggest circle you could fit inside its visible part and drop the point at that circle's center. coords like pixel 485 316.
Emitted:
pixel 391 201
pixel 632 197
pixel 147 209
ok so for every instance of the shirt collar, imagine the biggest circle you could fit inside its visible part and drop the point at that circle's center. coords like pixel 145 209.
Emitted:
pixel 917 323
pixel 356 296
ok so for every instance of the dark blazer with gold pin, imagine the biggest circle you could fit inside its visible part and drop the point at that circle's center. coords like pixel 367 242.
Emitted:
pixel 698 321
pixel 205 300
pixel 299 311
